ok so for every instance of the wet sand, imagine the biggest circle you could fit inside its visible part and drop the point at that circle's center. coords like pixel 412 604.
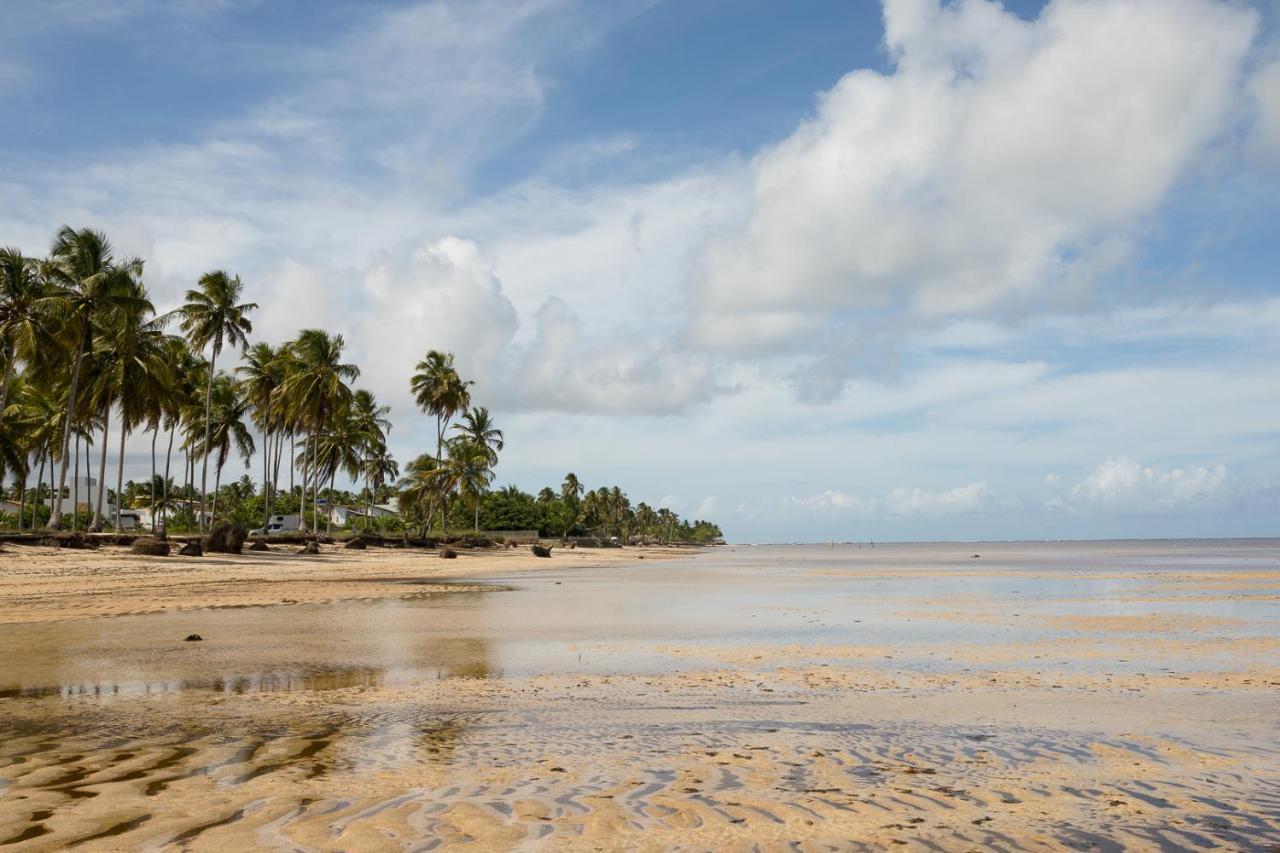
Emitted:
pixel 1109 696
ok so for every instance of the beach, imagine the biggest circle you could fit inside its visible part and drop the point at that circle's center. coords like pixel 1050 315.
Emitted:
pixel 948 696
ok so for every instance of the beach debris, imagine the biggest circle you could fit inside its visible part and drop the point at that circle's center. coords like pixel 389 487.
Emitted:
pixel 193 638
pixel 975 556
pixel 541 551
pixel 225 538
pixel 356 544
pixel 448 554
pixel 259 545
pixel 191 549
pixel 311 547
pixel 150 547
pixel 68 539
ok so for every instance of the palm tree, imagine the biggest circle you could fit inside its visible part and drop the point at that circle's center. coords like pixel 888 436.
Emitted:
pixel 373 425
pixel 226 426
pixel 469 470
pixel 213 315
pixel 141 379
pixel 85 281
pixel 380 469
pixel 438 390
pixel 263 373
pixel 24 327
pixel 478 430
pixel 315 391
pixel 339 447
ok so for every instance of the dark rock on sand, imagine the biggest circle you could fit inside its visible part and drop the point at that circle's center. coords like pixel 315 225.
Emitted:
pixel 448 554
pixel 191 549
pixel 150 547
pixel 194 638
pixel 225 538
pixel 259 545
pixel 541 551
pixel 356 545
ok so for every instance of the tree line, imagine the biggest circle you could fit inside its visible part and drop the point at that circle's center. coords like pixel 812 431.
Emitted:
pixel 87 361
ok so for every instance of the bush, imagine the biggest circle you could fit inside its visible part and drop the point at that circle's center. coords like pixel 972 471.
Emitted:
pixel 150 547
pixel 226 538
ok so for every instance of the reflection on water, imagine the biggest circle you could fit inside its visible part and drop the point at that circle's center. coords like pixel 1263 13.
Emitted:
pixel 370 724
pixel 615 619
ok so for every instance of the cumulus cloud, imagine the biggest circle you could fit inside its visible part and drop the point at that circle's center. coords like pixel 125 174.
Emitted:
pixel 1000 161
pixel 1264 87
pixel 1120 484
pixel 903 502
pixel 445 294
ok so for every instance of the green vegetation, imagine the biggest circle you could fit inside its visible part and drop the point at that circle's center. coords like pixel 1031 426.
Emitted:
pixel 84 352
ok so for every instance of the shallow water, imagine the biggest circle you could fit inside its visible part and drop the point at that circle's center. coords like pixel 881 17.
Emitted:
pixel 615 619
pixel 428 716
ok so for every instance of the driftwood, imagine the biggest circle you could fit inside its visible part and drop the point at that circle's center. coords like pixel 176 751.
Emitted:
pixel 541 551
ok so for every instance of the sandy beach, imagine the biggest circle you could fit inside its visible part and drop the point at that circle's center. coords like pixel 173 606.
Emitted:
pixel 1094 696
pixel 41 584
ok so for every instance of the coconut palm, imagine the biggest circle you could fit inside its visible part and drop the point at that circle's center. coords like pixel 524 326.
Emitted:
pixel 478 430
pixel 213 316
pixel 24 326
pixel 468 468
pixel 85 281
pixel 226 427
pixel 262 374
pixel 380 469
pixel 373 425
pixel 141 379
pixel 314 391
pixel 338 447
pixel 440 391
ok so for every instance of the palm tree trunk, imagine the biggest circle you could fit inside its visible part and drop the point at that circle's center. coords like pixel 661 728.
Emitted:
pixel 22 492
pixel 302 497
pixel 124 433
pixel 8 376
pixel 164 506
pixel 293 451
pixel 275 465
pixel 96 527
pixel 208 406
pixel 217 481
pixel 155 433
pixel 55 520
pixel 75 488
pixel 266 479
pixel 328 524
pixel 35 503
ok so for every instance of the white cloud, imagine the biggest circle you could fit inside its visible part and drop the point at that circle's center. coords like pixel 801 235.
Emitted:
pixel 1264 87
pixel 903 502
pixel 1119 484
pixel 1001 161
pixel 707 508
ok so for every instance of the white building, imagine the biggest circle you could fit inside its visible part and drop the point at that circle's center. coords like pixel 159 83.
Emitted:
pixel 346 515
pixel 85 490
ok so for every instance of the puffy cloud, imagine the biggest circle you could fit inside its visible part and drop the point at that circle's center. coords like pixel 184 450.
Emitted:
pixel 445 294
pixel 904 502
pixel 1122 485
pixel 1002 160
pixel 1265 90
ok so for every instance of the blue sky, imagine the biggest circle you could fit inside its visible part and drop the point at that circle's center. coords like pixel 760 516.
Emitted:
pixel 814 270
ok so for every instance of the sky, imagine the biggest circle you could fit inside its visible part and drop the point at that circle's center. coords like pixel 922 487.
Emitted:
pixel 812 270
